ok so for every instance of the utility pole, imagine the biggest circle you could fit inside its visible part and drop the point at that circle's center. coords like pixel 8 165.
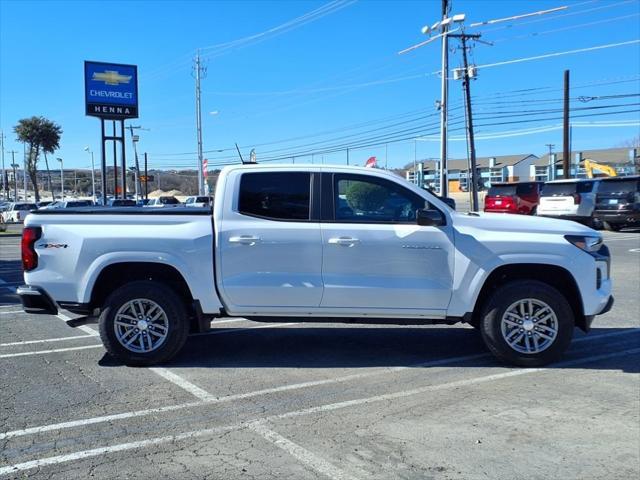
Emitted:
pixel 466 80
pixel 146 176
pixel 61 179
pixel 4 173
pixel 415 159
pixel 24 171
pixel 134 140
pixel 347 155
pixel 550 147
pixel 200 72
pixel 386 155
pixel 444 103
pixel 14 165
pixel 93 177
pixel 565 129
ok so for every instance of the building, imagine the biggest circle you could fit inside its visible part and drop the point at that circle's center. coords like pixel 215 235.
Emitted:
pixel 624 160
pixel 504 168
pixel 523 167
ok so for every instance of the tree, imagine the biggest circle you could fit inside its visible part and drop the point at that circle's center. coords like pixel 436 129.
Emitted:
pixel 631 143
pixel 38 134
pixel 365 196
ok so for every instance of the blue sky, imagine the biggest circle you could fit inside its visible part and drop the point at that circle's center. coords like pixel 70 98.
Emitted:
pixel 340 70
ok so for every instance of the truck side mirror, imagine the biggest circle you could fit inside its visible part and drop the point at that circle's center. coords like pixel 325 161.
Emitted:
pixel 429 218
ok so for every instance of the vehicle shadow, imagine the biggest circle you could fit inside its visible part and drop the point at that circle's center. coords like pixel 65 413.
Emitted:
pixel 366 346
pixel 10 273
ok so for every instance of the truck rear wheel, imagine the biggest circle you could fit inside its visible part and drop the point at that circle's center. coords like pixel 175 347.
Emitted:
pixel 143 323
pixel 527 323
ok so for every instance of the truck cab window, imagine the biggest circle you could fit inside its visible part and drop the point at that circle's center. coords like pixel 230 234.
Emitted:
pixel 362 199
pixel 276 195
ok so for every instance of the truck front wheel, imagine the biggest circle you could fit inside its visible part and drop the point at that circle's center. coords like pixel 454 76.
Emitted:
pixel 143 323
pixel 527 323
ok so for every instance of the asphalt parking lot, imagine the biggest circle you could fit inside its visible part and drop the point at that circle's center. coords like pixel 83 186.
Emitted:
pixel 251 400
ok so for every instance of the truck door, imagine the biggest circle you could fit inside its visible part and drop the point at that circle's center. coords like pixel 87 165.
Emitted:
pixel 375 256
pixel 269 242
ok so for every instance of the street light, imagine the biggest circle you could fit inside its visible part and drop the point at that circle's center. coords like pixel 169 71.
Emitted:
pixel 135 181
pixel 93 169
pixel 15 181
pixel 61 178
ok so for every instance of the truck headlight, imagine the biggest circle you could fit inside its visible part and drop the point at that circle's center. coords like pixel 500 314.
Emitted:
pixel 586 243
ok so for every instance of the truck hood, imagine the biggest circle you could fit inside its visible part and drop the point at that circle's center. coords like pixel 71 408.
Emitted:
pixel 503 222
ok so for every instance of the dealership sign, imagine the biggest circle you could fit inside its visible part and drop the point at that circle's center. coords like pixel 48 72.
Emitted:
pixel 111 90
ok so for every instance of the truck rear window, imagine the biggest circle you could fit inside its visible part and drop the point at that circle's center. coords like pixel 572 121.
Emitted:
pixel 502 190
pixel 276 195
pixel 619 186
pixel 566 189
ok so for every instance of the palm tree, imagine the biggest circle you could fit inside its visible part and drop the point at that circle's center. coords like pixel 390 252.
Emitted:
pixel 38 133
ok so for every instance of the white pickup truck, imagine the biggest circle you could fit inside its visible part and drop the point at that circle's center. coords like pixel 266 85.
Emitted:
pixel 321 244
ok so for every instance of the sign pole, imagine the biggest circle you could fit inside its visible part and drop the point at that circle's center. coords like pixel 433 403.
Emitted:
pixel 103 165
pixel 124 161
pixel 115 162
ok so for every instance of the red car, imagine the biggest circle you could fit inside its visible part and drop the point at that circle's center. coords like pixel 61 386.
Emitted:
pixel 521 198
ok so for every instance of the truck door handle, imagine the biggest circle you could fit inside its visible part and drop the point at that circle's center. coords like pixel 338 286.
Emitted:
pixel 344 241
pixel 244 239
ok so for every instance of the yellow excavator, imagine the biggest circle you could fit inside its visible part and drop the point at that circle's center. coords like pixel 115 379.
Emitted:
pixel 590 166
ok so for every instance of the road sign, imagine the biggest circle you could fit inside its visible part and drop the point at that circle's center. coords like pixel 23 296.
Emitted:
pixel 111 90
pixel 147 178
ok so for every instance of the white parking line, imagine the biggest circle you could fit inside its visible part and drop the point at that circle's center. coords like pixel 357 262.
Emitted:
pixel 47 340
pixel 183 383
pixel 112 449
pixel 322 408
pixel 42 352
pixel 83 328
pixel 266 391
pixel 305 456
pixel 14 311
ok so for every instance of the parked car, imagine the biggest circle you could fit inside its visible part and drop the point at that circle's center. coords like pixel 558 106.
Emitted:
pixel 618 202
pixel 142 202
pixel 570 199
pixel 520 197
pixel 163 201
pixel 119 202
pixel 17 211
pixel 278 245
pixel 68 204
pixel 198 201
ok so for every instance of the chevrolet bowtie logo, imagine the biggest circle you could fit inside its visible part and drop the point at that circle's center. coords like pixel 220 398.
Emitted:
pixel 111 77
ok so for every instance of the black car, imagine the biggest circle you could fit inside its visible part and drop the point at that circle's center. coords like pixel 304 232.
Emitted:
pixel 618 202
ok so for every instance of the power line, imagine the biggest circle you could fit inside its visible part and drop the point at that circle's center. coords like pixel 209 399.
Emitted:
pixel 557 54
pixel 562 29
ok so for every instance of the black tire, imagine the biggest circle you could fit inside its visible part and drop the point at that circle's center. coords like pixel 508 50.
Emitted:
pixel 612 227
pixel 507 295
pixel 177 320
